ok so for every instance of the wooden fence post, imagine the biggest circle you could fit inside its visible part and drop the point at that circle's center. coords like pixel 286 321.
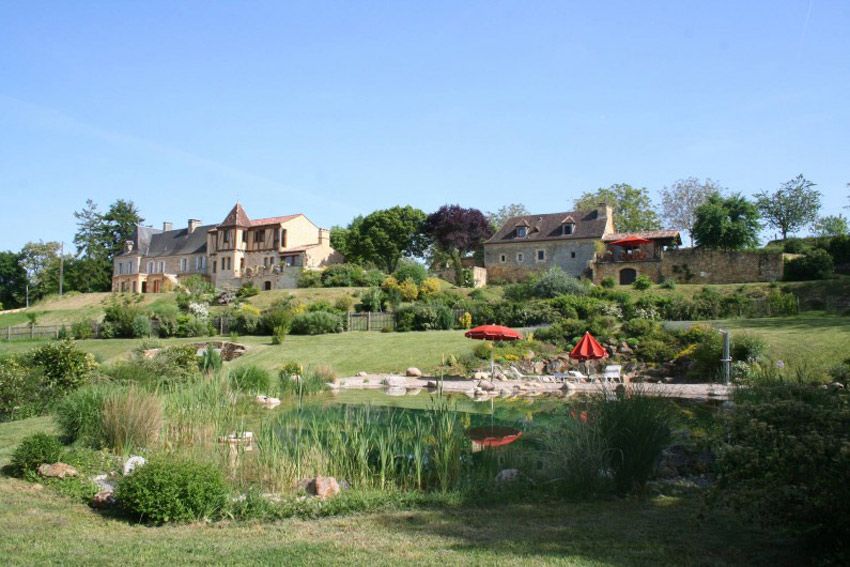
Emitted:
pixel 368 320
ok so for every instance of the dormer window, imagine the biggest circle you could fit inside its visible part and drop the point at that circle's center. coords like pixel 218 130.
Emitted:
pixel 568 226
pixel 522 231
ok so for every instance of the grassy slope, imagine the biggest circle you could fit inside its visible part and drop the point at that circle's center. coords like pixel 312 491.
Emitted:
pixel 39 526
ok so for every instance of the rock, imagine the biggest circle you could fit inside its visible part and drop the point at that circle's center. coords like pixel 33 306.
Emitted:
pixel 103 483
pixel 395 381
pixel 57 470
pixel 133 463
pixel 486 386
pixel 624 348
pixel 507 475
pixel 837 386
pixel 362 374
pixel 539 367
pixel 556 365
pixel 323 487
pixel 431 384
pixel 481 376
pixel 103 499
pixel 413 372
pixel 267 401
pixel 151 353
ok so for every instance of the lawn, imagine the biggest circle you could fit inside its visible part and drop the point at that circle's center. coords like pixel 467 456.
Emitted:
pixel 40 527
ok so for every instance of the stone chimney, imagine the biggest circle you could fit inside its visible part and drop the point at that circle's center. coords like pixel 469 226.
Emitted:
pixel 128 246
pixel 193 224
pixel 166 226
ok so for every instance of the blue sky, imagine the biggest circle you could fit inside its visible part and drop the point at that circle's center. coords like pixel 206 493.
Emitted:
pixel 338 108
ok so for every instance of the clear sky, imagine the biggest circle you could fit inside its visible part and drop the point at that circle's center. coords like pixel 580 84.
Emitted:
pixel 338 108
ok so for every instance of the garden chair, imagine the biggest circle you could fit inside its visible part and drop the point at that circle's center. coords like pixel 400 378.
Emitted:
pixel 612 373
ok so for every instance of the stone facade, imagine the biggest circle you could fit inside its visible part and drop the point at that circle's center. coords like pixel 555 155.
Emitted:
pixel 269 252
pixel 530 243
pixel 698 266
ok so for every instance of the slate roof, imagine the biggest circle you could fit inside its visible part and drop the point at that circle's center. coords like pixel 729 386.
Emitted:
pixel 548 227
pixel 648 234
pixel 141 240
pixel 172 242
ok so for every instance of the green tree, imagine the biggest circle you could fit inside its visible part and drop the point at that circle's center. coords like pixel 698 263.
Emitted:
pixel 679 202
pixel 37 259
pixel 13 280
pixel 728 223
pixel 791 207
pixel 99 238
pixel 633 209
pixel 499 218
pixel 383 237
pixel 832 225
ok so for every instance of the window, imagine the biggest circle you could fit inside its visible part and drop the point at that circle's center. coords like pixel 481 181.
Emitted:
pixel 503 258
pixel 520 257
pixel 245 236
pixel 541 255
pixel 226 236
pixel 572 254
pixel 184 264
pixel 260 236
pixel 161 267
pixel 289 260
pixel 241 264
pixel 522 231
pixel 150 267
pixel 567 228
pixel 214 265
pixel 283 238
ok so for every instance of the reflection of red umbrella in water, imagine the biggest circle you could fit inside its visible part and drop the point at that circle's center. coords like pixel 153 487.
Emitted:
pixel 492 435
pixel 588 348
pixel 492 333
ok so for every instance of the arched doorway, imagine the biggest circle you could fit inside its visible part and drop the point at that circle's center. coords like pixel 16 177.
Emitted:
pixel 628 276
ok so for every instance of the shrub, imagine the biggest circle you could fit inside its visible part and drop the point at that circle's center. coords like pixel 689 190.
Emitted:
pixel 250 379
pixel 656 350
pixel 173 491
pixel 296 380
pixel 344 303
pixel 246 290
pixel 191 326
pixel 141 326
pixel 636 429
pixel 65 367
pixel 21 393
pixel 410 271
pixel 642 282
pixel 423 317
pixel 132 419
pixel 33 451
pixel 83 329
pixel 608 282
pixel 408 290
pixel 575 454
pixel 278 314
pixel 815 265
pixel 120 314
pixel 783 461
pixel 668 283
pixel 429 287
pixel 343 275
pixel 372 300
pixel 210 360
pixel 747 347
pixel 316 323
pixel 279 334
pixel 310 278
pixel 555 282
pixel 640 327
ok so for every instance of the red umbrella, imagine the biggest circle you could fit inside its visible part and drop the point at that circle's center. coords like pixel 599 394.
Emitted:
pixel 588 348
pixel 632 240
pixel 493 333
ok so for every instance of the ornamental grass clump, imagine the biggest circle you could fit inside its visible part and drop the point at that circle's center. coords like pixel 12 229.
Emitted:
pixel 167 490
pixel 132 419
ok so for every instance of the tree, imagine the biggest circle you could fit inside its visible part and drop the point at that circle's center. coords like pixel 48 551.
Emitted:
pixel 679 202
pixel 728 223
pixel 794 205
pixel 382 237
pixel 498 219
pixel 36 259
pixel 13 280
pixel 633 209
pixel 457 232
pixel 99 238
pixel 832 225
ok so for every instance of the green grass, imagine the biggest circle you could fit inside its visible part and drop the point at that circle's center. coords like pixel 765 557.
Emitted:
pixel 12 433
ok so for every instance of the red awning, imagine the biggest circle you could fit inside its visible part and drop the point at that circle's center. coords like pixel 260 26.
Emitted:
pixel 588 348
pixel 493 333
pixel 630 241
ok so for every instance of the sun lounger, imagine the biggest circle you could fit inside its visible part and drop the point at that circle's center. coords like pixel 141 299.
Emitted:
pixel 612 373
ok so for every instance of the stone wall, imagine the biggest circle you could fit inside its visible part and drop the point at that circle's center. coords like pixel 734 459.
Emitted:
pixel 700 266
pixel 503 262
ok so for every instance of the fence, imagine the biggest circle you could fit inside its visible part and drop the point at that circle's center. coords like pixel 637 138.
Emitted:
pixel 30 332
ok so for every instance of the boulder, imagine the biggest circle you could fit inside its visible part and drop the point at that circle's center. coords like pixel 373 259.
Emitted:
pixel 133 463
pixel 486 386
pixel 413 372
pixel 539 367
pixel 323 487
pixel 267 401
pixel 837 386
pixel 103 499
pixel 481 375
pixel 362 374
pixel 57 470
pixel 395 381
pixel 507 475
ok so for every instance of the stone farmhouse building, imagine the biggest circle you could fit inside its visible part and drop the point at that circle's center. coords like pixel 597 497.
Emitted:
pixel 268 252
pixel 586 244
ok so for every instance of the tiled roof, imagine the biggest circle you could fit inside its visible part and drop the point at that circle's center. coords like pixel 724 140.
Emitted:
pixel 548 227
pixel 274 220
pixel 648 234
pixel 236 217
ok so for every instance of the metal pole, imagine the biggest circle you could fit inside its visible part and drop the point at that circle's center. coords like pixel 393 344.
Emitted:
pixel 61 265
pixel 726 359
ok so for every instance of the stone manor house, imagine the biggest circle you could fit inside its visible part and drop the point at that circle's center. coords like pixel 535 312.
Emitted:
pixel 268 252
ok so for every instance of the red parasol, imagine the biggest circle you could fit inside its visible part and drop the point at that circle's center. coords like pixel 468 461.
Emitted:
pixel 628 241
pixel 588 348
pixel 493 333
